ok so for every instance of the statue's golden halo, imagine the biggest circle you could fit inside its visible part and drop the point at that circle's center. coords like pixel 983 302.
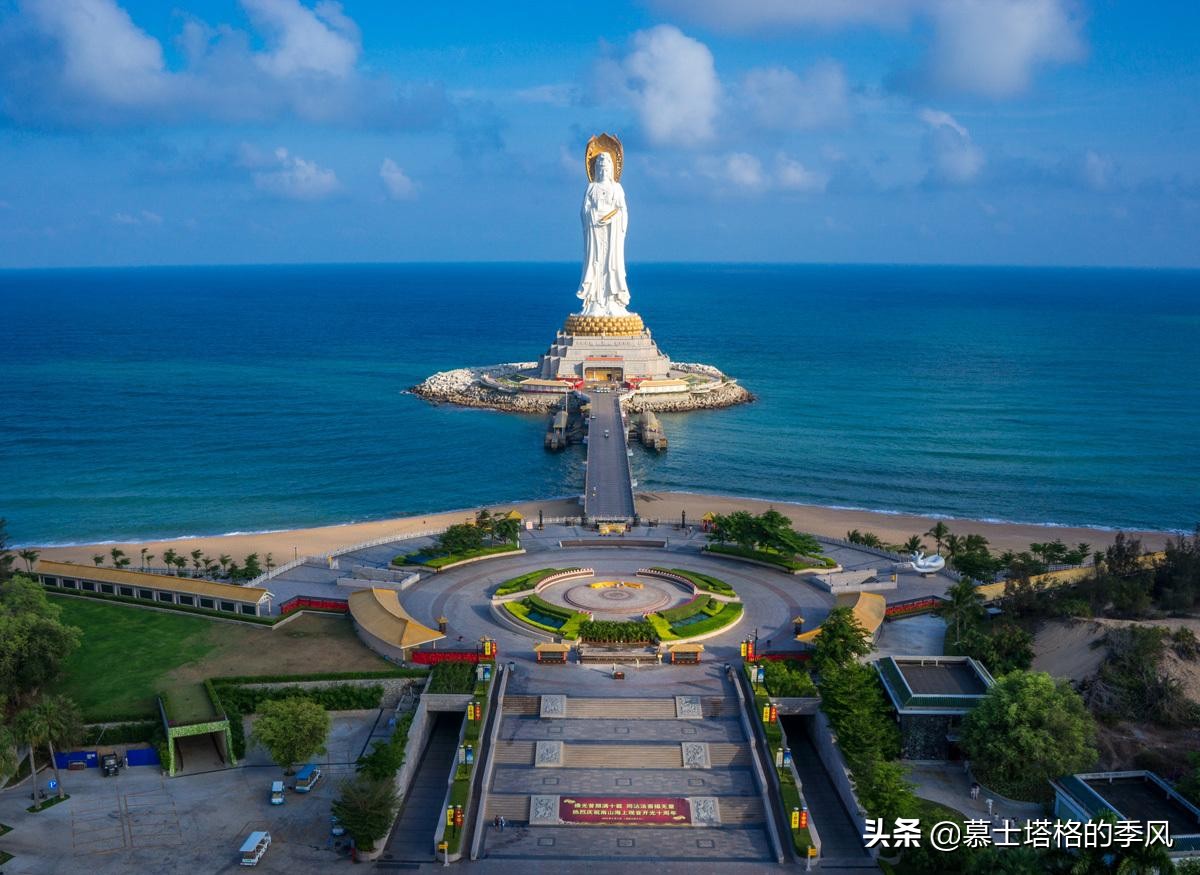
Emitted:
pixel 604 143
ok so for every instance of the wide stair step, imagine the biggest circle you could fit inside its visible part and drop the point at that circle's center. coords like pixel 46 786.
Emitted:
pixel 736 811
pixel 621 756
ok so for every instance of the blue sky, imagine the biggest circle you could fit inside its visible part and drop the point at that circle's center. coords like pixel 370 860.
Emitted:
pixel 1047 132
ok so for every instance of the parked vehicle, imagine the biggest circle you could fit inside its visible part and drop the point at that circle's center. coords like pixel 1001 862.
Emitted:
pixel 110 764
pixel 335 826
pixel 277 793
pixel 307 778
pixel 254 847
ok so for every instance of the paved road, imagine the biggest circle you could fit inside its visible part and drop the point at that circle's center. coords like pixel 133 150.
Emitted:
pixel 609 484
pixel 412 837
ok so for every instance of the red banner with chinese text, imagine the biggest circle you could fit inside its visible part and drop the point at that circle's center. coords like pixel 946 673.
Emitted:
pixel 659 811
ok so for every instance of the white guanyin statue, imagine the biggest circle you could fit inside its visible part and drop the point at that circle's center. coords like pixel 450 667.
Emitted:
pixel 605 216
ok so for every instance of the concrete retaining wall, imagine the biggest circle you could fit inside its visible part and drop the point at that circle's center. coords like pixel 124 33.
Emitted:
pixel 822 737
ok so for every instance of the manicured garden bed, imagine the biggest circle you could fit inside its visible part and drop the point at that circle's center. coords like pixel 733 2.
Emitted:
pixel 527 582
pixel 703 582
pixel 442 560
pixel 791 563
pixel 542 615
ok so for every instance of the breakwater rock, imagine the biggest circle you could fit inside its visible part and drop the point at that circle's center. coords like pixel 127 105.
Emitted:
pixel 491 387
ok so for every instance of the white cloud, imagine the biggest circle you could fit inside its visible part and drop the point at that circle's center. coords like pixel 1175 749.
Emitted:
pixel 399 186
pixel 557 94
pixel 295 178
pixel 993 47
pixel 989 47
pixel 322 40
pixel 671 81
pixel 125 219
pixel 1097 170
pixel 791 175
pixel 744 171
pixel 955 157
pixel 144 217
pixel 778 99
pixel 104 54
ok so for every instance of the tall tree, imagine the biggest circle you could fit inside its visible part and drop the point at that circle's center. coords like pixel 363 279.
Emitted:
pixel 197 555
pixel 144 552
pixel 914 544
pixel 120 560
pixel 963 609
pixel 6 558
pixel 169 556
pixel 1028 729
pixel 8 752
pixel 841 642
pixel 34 642
pixel 291 730
pixel 51 720
pixel 939 532
pixel 98 559
pixel 30 556
pixel 366 807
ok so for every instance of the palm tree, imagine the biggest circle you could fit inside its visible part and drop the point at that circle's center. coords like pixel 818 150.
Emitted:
pixel 913 545
pixel 196 554
pixel 118 557
pixel 208 566
pixel 954 545
pixel 180 564
pixel 486 524
pixel 939 532
pixel 50 720
pixel 98 559
pixel 30 556
pixel 963 608
pixel 223 561
pixel 169 555
pixel 144 553
pixel 149 557
pixel 270 563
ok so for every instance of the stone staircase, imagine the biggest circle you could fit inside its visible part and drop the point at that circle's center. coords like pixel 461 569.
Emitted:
pixel 634 749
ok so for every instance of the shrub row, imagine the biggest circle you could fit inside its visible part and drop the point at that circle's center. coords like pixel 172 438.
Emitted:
pixel 527 581
pixel 435 561
pixel 452 677
pixel 787 679
pixel 698 605
pixel 386 757
pixel 123 733
pixel 323 676
pixel 617 631
pixel 728 614
pixel 790 563
pixel 702 581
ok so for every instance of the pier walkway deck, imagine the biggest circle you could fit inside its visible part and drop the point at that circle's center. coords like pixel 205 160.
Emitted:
pixel 608 495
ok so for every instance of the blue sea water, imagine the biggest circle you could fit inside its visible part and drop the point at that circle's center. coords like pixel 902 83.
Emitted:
pixel 167 402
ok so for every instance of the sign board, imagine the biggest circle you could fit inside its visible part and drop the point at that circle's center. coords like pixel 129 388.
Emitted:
pixel 52 784
pixel 631 810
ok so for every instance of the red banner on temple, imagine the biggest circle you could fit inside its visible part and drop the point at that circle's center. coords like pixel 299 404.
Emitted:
pixel 625 810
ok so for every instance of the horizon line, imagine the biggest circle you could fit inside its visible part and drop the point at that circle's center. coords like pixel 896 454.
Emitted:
pixel 672 262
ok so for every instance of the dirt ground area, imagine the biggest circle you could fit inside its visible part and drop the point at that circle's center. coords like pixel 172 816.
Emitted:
pixel 1072 649
pixel 310 643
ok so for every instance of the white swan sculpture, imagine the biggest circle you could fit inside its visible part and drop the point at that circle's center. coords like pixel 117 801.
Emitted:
pixel 927 564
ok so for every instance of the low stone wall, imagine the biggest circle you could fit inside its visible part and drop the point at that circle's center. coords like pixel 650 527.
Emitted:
pixel 841 582
pixel 724 395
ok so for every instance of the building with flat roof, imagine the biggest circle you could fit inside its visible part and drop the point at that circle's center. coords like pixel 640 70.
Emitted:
pixel 1135 796
pixel 931 695
pixel 158 589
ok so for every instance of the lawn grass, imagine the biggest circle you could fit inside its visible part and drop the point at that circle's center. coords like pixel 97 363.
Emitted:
pixel 791 563
pixel 129 655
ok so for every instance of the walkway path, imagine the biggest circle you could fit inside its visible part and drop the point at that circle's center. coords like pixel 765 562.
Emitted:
pixel 608 494
pixel 412 837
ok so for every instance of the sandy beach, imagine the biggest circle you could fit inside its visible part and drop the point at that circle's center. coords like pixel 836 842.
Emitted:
pixel 666 507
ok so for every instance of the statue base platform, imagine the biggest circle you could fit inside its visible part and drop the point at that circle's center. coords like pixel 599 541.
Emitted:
pixel 604 349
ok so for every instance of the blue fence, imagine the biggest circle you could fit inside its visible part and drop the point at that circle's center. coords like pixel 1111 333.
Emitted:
pixel 138 756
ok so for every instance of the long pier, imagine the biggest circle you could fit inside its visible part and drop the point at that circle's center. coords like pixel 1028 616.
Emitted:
pixel 608 488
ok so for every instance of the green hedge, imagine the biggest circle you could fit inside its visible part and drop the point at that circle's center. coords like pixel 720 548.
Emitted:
pixel 617 631
pixel 547 608
pixel 527 581
pixel 702 581
pixel 569 627
pixel 123 733
pixel 662 628
pixel 435 561
pixel 687 609
pixel 728 614
pixel 386 757
pixel 323 676
pixel 452 677
pixel 790 563
pixel 235 701
pixel 787 679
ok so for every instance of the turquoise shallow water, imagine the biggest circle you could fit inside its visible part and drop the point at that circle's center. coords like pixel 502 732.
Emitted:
pixel 165 402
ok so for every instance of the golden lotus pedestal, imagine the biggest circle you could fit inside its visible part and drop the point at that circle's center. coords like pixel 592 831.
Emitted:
pixel 604 326
pixel 604 349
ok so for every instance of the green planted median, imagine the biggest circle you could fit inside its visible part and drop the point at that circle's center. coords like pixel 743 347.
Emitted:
pixel 527 582
pixel 540 614
pixel 790 563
